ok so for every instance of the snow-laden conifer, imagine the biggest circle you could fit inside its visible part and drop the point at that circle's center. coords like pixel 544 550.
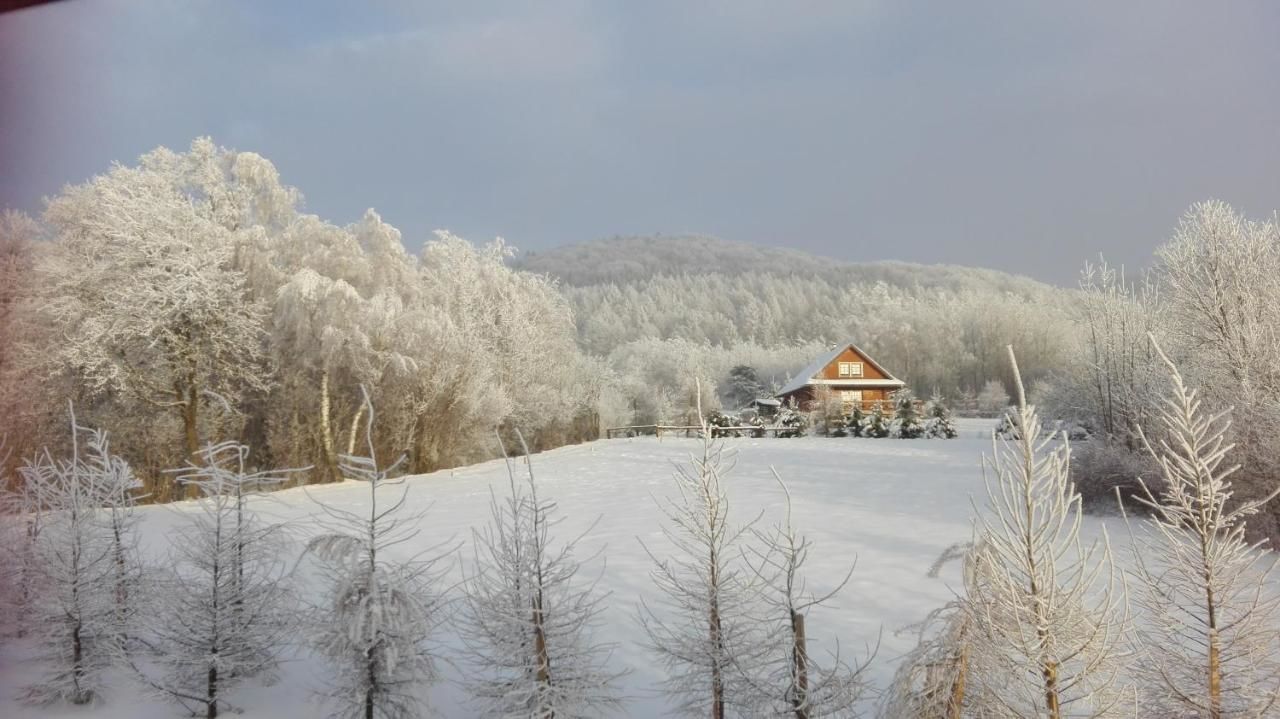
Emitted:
pixel 793 682
pixel 1209 637
pixel 219 613
pixel 378 610
pixel 528 623
pixel 1047 615
pixel 702 628
pixel 78 563
pixel 938 424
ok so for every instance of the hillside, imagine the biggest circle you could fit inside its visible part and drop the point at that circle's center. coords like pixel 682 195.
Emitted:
pixel 626 260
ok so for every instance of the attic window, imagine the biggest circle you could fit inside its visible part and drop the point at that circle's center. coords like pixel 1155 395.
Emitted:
pixel 850 369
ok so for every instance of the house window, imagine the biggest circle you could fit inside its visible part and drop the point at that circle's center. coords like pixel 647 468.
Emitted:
pixel 851 397
pixel 850 369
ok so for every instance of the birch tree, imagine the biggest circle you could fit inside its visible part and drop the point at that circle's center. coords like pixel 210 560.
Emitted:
pixel 528 623
pixel 378 612
pixel 1209 639
pixel 220 613
pixel 1047 615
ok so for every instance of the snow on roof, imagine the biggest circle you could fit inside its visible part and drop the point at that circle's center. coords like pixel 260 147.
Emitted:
pixel 768 402
pixel 801 379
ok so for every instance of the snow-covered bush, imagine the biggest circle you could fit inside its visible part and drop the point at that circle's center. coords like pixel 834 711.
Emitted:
pixel 1100 471
pixel 1009 426
pixel 528 621
pixel 836 427
pixel 719 421
pixel 757 424
pixel 791 423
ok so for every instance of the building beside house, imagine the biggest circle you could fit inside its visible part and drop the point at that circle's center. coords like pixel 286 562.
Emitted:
pixel 845 374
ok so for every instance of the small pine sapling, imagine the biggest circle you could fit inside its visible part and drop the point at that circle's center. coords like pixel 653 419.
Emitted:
pixel 792 682
pixel 856 422
pixel 527 624
pixel 220 613
pixel 908 416
pixel 938 424
pixel 703 630
pixel 379 612
pixel 877 423
pixel 1210 639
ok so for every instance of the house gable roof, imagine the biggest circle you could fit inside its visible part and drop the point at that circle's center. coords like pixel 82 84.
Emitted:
pixel 805 377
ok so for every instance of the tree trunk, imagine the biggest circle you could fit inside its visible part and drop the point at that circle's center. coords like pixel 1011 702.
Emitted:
pixel 326 431
pixel 190 416
pixel 211 704
pixel 355 430
pixel 799 667
pixel 541 656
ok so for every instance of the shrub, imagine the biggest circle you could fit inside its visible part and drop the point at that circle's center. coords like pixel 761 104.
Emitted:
pixel 792 423
pixel 908 418
pixel 1099 470
pixel 720 422
pixel 856 422
pixel 877 424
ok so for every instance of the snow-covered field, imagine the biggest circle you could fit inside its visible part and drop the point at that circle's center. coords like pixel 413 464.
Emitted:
pixel 890 505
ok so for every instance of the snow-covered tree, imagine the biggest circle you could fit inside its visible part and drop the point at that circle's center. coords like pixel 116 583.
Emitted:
pixel 528 623
pixel 877 423
pixel 993 399
pixel 141 283
pixel 703 629
pixel 856 422
pixel 378 611
pixel 78 564
pixel 1209 637
pixel 791 681
pixel 907 415
pixel 220 614
pixel 938 422
pixel 1047 615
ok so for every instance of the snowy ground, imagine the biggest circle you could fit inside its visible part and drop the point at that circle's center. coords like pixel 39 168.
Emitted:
pixel 891 505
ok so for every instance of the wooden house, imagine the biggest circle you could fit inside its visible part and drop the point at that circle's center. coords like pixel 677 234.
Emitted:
pixel 845 374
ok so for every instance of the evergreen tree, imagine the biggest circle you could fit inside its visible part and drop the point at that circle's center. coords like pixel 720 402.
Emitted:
pixel 908 416
pixel 939 424
pixel 877 424
pixel 742 386
pixel 856 422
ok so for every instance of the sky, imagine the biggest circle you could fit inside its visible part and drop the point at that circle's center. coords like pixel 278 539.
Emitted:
pixel 1026 137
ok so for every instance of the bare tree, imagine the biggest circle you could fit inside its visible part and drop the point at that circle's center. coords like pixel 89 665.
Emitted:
pixel 703 631
pixel 1210 640
pixel 792 682
pixel 219 614
pixel 1047 616
pixel 527 624
pixel 378 612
